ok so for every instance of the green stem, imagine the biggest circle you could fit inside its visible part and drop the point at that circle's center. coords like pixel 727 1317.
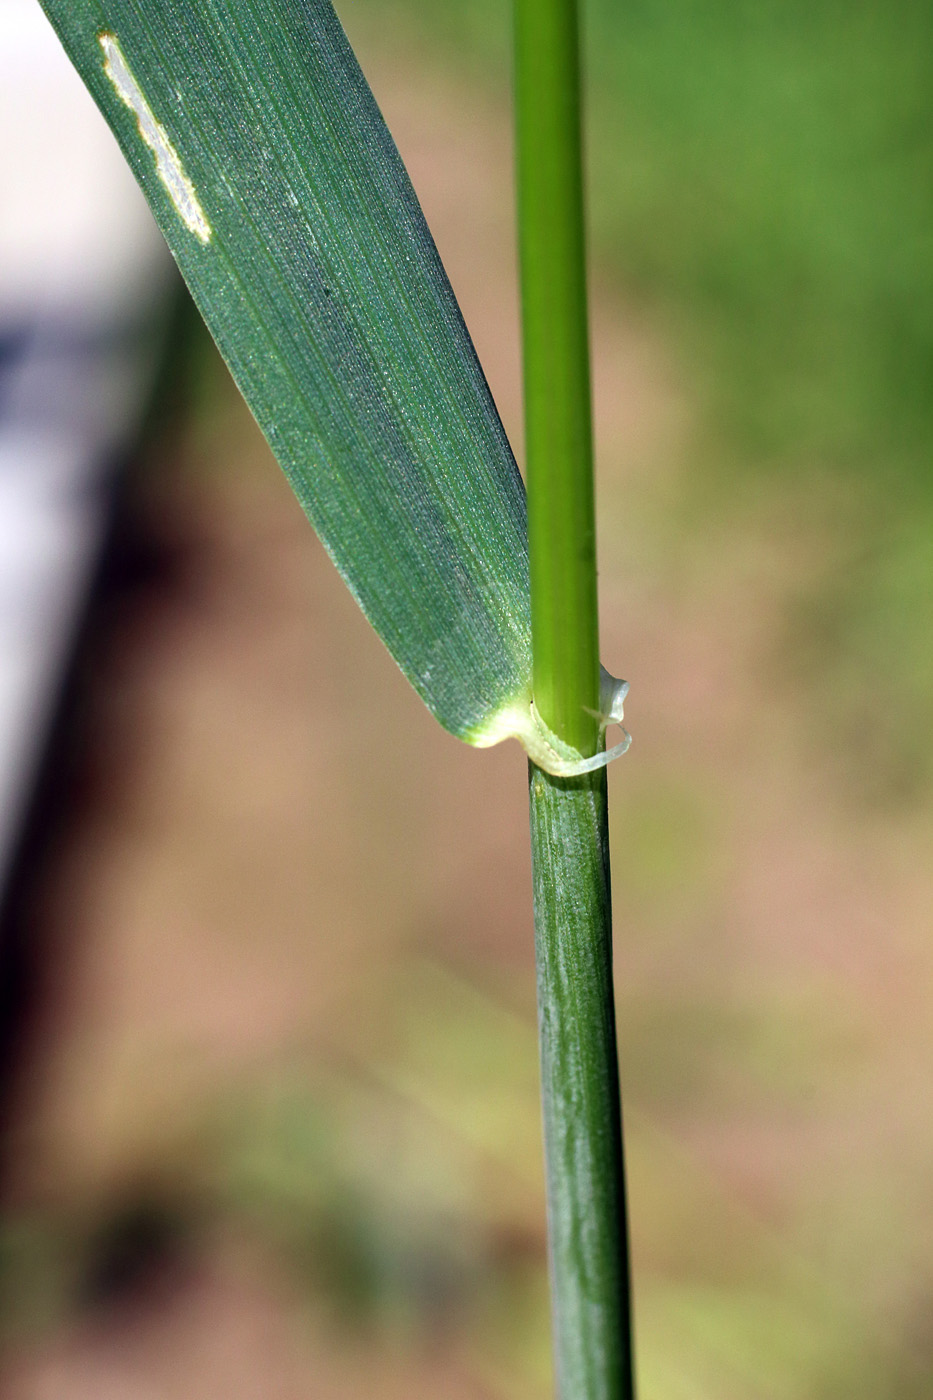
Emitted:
pixel 587 1229
pixel 555 343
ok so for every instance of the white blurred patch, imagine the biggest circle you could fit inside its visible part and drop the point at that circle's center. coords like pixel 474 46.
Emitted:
pixel 75 229
pixel 84 274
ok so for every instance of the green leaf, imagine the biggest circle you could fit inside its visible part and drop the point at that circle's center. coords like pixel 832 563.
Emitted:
pixel 270 170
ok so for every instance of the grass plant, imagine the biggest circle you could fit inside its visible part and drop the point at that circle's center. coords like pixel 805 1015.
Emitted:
pixel 265 159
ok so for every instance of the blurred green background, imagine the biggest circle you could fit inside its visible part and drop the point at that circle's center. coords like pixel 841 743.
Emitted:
pixel 287 1103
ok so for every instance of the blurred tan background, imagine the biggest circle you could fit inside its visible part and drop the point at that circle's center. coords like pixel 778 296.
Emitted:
pixel 276 1132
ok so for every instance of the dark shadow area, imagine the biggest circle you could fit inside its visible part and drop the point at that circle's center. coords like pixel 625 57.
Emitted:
pixel 133 561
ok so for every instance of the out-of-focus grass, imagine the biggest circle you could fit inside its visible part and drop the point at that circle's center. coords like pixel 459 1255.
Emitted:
pixel 759 169
pixel 401 1190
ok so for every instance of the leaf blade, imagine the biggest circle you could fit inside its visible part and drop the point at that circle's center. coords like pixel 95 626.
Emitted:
pixel 322 286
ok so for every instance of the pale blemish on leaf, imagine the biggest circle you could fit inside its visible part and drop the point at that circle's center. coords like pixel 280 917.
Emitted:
pixel 168 164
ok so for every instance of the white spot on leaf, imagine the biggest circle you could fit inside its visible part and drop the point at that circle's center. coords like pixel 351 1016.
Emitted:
pixel 168 165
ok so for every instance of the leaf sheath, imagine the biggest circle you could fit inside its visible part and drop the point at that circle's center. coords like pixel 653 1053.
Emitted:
pixel 587 1229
